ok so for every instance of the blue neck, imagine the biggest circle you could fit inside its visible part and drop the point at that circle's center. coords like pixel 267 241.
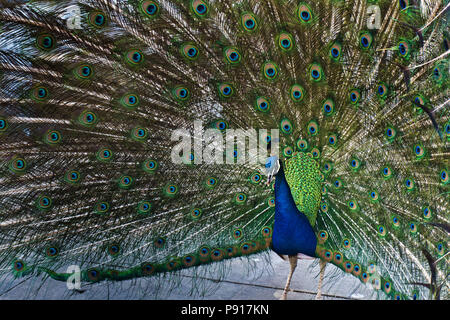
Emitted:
pixel 292 232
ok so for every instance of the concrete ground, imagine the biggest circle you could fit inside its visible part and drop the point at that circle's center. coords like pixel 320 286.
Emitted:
pixel 263 282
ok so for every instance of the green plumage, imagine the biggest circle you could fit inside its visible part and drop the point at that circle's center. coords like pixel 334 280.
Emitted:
pixel 303 176
pixel 90 100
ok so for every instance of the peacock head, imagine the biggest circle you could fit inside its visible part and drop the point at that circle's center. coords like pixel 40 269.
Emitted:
pixel 272 168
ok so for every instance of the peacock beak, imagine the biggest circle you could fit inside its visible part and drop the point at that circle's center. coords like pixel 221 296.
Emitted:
pixel 269 179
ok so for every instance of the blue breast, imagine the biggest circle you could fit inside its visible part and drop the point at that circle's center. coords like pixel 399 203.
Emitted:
pixel 292 232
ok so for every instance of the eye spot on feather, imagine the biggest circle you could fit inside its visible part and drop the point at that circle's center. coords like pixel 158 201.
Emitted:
pixel 365 40
pixel 39 93
pixel 149 8
pixel 211 182
pixel 226 90
pixel 386 172
pixel 72 177
pixel 130 101
pixel 255 178
pixel 271 202
pixel 324 204
pixel 147 269
pixel 97 19
pixel 104 154
pixel 286 126
pixel 439 73
pixel 195 213
pixel 220 124
pixel 332 140
pixel 125 182
pixel 382 90
pixel 246 248
pixel 296 93
pixel 285 42
pixel 427 213
pixel 134 57
pixel 249 22
pixel 200 8
pixel 240 198
pixel 403 4
pixel 83 72
pixel 440 248
pixel 232 55
pixel 316 72
pixel 144 207
pixel 315 153
pixel 304 13
pixel 113 249
pixel 419 151
pixel 395 222
pixel 288 151
pixel 381 231
pixel 18 265
pixel 44 203
pixel 353 205
pixel 413 228
pixel 337 184
pixel 337 258
pixel 88 118
pixel 302 144
pixel 335 51
pixel 364 277
pixel 409 184
pixel 159 242
pixel 348 266
pixel 188 260
pixel 45 42
pixel 444 176
pixel 93 275
pixel 262 104
pixel 346 243
pixel 101 207
pixel 266 232
pixel 52 137
pixel 51 252
pixel 181 93
pixel 447 130
pixel 356 270
pixel 327 167
pixel 313 128
pixel 18 165
pixel 270 70
pixel 355 96
pixel 328 107
pixel 323 236
pixel 190 51
pixel 387 287
pixel 3 124
pixel 354 164
pixel 139 134
pixel 374 196
pixel 171 190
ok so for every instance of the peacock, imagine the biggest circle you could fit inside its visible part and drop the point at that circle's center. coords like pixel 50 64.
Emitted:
pixel 149 140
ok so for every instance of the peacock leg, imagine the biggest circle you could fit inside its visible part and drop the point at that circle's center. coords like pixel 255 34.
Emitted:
pixel 323 264
pixel 293 262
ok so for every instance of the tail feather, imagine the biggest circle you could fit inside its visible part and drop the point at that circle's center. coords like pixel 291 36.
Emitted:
pixel 91 105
